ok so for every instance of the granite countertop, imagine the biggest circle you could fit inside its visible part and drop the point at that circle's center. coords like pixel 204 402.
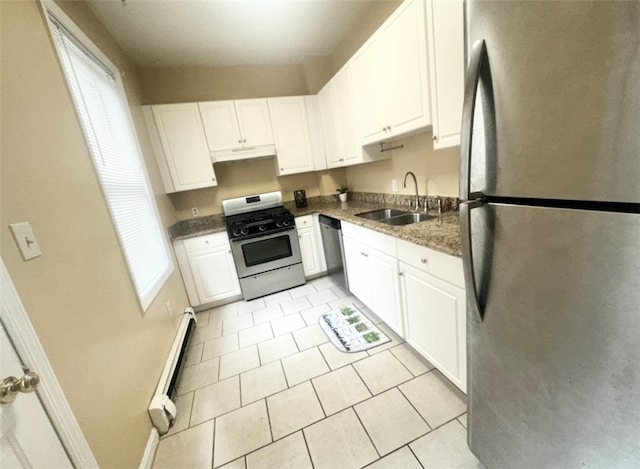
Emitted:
pixel 441 233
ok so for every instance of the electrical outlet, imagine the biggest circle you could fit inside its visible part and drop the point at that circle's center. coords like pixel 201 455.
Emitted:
pixel 394 185
pixel 195 212
pixel 169 308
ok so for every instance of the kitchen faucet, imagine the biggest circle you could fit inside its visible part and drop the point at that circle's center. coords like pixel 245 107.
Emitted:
pixel 415 182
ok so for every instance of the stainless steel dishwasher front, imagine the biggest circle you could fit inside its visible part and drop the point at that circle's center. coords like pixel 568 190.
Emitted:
pixel 331 232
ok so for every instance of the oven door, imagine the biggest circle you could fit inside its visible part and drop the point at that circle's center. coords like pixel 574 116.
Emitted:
pixel 271 251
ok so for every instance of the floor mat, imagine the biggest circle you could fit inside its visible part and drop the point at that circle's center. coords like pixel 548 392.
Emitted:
pixel 350 330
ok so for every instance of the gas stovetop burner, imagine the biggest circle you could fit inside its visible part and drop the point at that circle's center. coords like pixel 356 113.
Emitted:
pixel 260 222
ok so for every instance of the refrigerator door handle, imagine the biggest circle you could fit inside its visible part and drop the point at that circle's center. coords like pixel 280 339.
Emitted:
pixel 472 78
pixel 467 258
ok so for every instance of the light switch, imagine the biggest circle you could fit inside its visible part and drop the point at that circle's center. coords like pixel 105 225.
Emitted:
pixel 26 240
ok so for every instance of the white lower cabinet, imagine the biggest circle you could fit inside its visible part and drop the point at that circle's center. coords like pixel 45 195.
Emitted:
pixel 208 268
pixel 373 274
pixel 434 313
pixel 310 245
pixel 416 291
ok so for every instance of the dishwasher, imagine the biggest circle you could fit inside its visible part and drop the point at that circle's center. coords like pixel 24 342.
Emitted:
pixel 331 232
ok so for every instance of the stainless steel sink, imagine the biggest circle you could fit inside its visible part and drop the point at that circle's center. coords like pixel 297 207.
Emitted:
pixel 380 214
pixel 392 216
pixel 406 219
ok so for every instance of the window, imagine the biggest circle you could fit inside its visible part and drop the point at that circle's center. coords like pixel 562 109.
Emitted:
pixel 104 114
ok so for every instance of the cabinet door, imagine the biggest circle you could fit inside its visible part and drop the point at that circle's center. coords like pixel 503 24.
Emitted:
pixel 434 314
pixel 357 265
pixel 385 289
pixel 214 274
pixel 349 144
pixel 291 132
pixel 369 72
pixel 326 97
pixel 254 121
pixel 185 146
pixel 405 52
pixel 220 125
pixel 445 25
pixel 309 251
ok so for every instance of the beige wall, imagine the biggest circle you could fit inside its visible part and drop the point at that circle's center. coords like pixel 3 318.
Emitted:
pixel 377 13
pixel 164 85
pixel 79 296
pixel 436 171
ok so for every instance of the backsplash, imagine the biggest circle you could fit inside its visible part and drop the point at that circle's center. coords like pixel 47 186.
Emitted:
pixel 448 203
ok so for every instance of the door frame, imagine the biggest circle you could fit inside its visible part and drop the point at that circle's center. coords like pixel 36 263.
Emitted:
pixel 25 340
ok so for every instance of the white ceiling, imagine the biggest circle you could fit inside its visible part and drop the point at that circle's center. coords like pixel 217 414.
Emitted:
pixel 157 33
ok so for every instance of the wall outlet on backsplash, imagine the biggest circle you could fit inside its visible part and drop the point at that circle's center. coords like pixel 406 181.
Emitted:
pixel 195 212
pixel 394 185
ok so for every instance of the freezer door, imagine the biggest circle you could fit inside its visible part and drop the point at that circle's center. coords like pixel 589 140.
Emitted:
pixel 554 366
pixel 565 80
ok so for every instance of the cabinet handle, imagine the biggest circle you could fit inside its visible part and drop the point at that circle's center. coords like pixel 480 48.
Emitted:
pixel 244 141
pixel 384 129
pixel 400 274
pixel 434 138
pixel 281 169
pixel 389 128
pixel 229 251
pixel 240 141
pixel 213 179
pixel 341 159
pixel 424 261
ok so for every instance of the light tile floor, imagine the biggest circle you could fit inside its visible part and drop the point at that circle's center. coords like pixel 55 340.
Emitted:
pixel 262 387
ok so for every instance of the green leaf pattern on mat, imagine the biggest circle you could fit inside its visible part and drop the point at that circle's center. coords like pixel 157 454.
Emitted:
pixel 371 337
pixel 353 319
pixel 347 311
pixel 362 327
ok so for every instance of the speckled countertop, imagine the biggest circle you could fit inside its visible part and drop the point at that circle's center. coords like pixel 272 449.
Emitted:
pixel 441 233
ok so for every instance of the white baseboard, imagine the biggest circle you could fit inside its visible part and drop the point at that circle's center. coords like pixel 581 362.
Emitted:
pixel 150 450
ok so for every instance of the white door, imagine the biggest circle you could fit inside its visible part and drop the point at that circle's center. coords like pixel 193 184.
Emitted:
pixel 27 437
pixel 214 273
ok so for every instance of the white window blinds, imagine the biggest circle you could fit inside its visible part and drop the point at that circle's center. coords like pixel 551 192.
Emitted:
pixel 104 115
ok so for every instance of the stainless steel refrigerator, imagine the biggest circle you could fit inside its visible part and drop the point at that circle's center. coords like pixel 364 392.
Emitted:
pixel 550 179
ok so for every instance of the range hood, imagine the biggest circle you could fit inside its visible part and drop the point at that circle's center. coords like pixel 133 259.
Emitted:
pixel 247 153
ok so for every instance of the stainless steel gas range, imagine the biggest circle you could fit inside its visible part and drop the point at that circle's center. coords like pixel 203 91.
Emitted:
pixel 264 243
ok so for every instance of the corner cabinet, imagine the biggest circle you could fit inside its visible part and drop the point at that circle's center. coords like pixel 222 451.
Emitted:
pixel 390 77
pixel 445 27
pixel 208 269
pixel 180 146
pixel 434 308
pixel 311 247
pixel 295 152
pixel 343 146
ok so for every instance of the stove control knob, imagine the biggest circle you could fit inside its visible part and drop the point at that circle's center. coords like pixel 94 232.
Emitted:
pixel 279 222
pixel 236 232
pixel 286 222
pixel 244 230
pixel 262 227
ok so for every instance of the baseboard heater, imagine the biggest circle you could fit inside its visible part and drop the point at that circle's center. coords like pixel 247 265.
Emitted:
pixel 162 408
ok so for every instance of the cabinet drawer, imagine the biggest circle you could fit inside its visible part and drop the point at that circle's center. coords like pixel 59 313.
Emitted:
pixel 206 242
pixel 444 266
pixel 305 221
pixel 382 242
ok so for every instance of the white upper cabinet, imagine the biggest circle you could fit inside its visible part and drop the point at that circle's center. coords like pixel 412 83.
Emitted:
pixel 390 77
pixel 445 25
pixel 343 144
pixel 237 129
pixel 180 146
pixel 291 132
